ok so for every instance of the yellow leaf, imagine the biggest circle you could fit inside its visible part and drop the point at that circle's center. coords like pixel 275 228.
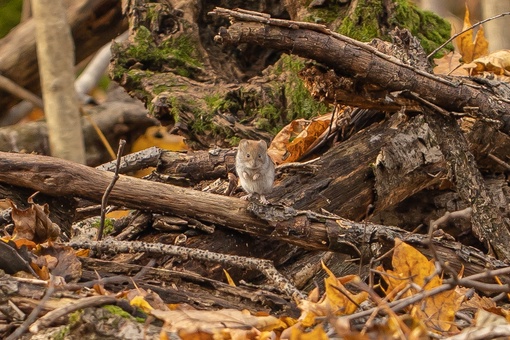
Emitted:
pixel 159 136
pixel 139 301
pixel 412 266
pixel 338 298
pixel 409 265
pixel 465 40
pixel 481 45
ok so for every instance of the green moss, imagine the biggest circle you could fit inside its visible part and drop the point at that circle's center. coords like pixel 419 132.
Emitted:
pixel 74 318
pixel 108 226
pixel 300 103
pixel 365 23
pixel 115 310
pixel 219 103
pixel 175 108
pixel 177 53
pixel 429 28
pixel 62 333
pixel 234 140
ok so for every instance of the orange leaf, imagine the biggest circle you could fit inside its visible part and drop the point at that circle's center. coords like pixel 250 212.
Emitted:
pixel 465 40
pixel 481 45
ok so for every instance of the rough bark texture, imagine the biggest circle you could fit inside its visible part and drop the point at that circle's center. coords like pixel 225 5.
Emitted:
pixel 375 169
pixel 305 229
pixel 351 58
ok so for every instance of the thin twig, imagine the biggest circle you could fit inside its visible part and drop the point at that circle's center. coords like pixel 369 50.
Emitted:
pixel 100 133
pixel 499 161
pixel 104 200
pixel 33 315
pixel 20 92
pixel 91 301
pixel 449 284
pixel 266 267
pixel 464 31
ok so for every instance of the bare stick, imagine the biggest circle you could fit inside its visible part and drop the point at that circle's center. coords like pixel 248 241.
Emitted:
pixel 100 133
pixel 499 161
pixel 104 200
pixel 33 315
pixel 92 301
pixel 266 267
pixel 464 31
pixel 20 92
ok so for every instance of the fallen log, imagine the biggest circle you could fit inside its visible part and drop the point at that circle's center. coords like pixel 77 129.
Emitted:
pixel 302 228
pixel 364 64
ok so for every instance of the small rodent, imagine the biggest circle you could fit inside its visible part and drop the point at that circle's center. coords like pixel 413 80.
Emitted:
pixel 255 168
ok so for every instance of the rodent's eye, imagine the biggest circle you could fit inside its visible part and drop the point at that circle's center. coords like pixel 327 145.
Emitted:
pixel 260 156
pixel 247 155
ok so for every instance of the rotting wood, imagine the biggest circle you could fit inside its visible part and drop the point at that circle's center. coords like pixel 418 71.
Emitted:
pixel 364 63
pixel 59 177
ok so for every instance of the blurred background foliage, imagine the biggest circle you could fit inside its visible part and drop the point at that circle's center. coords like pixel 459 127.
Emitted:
pixel 10 14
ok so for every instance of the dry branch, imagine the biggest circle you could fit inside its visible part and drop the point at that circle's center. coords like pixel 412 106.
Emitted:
pixel 363 63
pixel 59 177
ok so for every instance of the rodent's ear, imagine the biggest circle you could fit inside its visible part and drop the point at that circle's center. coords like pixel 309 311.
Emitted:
pixel 242 143
pixel 263 144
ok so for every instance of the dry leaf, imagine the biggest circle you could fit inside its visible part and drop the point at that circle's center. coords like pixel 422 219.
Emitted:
pixel 160 137
pixel 497 63
pixel 450 64
pixel 337 300
pixel 465 40
pixel 34 223
pixel 140 302
pixel 67 264
pixel 295 139
pixel 481 45
pixel 409 265
pixel 468 49
pixel 317 333
pixel 213 321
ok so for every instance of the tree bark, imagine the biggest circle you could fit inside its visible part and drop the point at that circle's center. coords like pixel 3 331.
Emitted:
pixel 363 63
pixel 55 55
pixel 304 229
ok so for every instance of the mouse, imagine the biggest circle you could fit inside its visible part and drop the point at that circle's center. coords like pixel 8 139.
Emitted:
pixel 255 168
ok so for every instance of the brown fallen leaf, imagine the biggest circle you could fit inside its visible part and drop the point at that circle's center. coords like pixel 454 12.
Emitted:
pixel 34 223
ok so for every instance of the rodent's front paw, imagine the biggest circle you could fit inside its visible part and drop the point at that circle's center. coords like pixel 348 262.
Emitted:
pixel 245 175
pixel 256 176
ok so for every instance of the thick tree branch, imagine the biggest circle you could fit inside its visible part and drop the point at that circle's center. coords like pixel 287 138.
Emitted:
pixel 363 63
pixel 59 177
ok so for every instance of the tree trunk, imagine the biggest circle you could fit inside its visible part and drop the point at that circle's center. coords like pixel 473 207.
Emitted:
pixel 55 55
